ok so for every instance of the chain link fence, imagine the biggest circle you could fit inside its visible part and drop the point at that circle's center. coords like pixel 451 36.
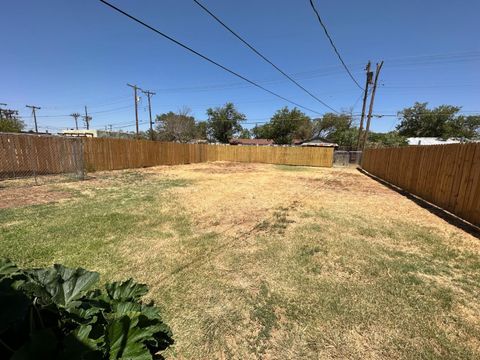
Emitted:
pixel 347 158
pixel 30 159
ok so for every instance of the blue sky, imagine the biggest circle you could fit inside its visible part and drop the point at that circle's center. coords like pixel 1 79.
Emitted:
pixel 62 55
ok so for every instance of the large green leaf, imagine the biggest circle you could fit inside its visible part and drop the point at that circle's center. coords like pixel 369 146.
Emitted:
pixel 126 340
pixel 78 345
pixel 7 267
pixel 147 317
pixel 126 290
pixel 76 321
pixel 65 285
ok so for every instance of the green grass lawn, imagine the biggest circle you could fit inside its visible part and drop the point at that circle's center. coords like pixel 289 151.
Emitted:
pixel 320 273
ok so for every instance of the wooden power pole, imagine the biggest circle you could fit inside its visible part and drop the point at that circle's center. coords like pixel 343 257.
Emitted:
pixel 365 95
pixel 149 95
pixel 372 100
pixel 135 89
pixel 75 116
pixel 87 118
pixel 34 114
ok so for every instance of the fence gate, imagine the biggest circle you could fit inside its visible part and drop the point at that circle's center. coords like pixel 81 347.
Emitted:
pixel 347 158
pixel 38 159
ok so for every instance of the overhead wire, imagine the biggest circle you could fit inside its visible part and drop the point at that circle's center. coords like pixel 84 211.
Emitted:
pixel 333 44
pixel 251 47
pixel 206 57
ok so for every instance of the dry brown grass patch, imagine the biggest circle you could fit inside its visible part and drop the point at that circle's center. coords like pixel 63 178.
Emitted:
pixel 25 196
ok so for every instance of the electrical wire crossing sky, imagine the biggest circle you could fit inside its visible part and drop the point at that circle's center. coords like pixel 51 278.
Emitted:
pixel 86 52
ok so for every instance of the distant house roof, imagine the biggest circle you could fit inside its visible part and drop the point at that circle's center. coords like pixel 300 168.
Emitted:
pixel 79 133
pixel 431 141
pixel 260 142
pixel 319 143
pixel 198 141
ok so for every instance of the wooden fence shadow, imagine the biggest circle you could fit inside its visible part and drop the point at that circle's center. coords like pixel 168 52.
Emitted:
pixel 441 213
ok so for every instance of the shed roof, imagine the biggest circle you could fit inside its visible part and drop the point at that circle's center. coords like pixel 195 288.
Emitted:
pixel 251 142
pixel 319 142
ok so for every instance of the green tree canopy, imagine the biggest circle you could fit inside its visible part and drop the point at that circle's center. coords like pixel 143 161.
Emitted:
pixel 389 139
pixel 262 131
pixel 285 126
pixel 467 127
pixel 178 126
pixel 441 122
pixel 224 122
pixel 201 130
pixel 11 124
pixel 245 134
pixel 337 128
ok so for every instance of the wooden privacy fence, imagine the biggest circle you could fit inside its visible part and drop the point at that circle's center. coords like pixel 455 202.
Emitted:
pixel 112 154
pixel 445 175
pixel 115 154
pixel 307 156
pixel 24 155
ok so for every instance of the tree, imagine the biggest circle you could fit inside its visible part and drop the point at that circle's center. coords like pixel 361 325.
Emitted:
pixel 245 134
pixel 262 131
pixel 337 128
pixel 440 122
pixel 389 139
pixel 224 122
pixel 466 127
pixel 201 130
pixel 10 122
pixel 286 125
pixel 178 127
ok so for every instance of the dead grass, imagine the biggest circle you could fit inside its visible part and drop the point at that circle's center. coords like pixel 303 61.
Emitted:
pixel 255 261
pixel 18 197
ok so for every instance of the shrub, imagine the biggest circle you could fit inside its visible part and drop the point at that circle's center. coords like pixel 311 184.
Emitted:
pixel 55 313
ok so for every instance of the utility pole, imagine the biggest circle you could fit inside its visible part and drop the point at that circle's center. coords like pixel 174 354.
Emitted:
pixel 75 116
pixel 365 95
pixel 372 99
pixel 149 95
pixel 87 118
pixel 135 88
pixel 34 114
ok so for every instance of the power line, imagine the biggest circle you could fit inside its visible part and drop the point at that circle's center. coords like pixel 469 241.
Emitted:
pixel 333 44
pixel 93 113
pixel 205 57
pixel 260 54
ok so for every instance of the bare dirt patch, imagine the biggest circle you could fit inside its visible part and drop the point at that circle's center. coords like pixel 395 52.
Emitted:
pixel 35 195
pixel 228 168
pixel 347 181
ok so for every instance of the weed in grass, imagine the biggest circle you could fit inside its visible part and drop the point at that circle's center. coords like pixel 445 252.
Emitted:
pixel 293 168
pixel 264 316
pixel 278 223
